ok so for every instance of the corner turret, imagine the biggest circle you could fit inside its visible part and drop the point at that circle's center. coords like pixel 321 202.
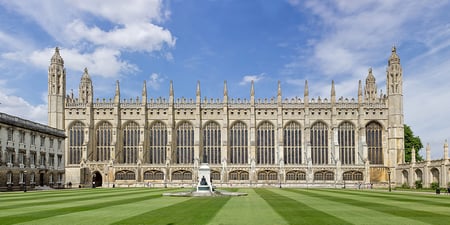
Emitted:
pixel 56 91
pixel 85 91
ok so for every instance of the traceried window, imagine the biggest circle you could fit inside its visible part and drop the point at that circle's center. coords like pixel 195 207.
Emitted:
pixel 182 175
pixel 265 144
pixel 295 175
pixel 185 143
pixel 215 175
pixel 267 175
pixel 131 140
pixel 125 175
pixel 319 143
pixel 292 143
pixel 158 143
pixel 238 153
pixel 374 143
pixel 324 175
pixel 353 175
pixel 103 138
pixel 238 175
pixel 346 137
pixel 154 175
pixel 76 140
pixel 211 143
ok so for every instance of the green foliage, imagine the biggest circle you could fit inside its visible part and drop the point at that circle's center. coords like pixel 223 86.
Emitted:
pixel 434 185
pixel 410 141
pixel 419 184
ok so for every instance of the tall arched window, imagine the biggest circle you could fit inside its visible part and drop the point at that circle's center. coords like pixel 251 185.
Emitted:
pixel 76 140
pixel 158 143
pixel 265 144
pixel 185 143
pixel 292 143
pixel 346 138
pixel 238 153
pixel 104 139
pixel 131 140
pixel 319 143
pixel 211 143
pixel 374 140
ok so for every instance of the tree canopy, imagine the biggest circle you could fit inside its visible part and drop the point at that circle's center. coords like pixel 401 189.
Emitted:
pixel 410 141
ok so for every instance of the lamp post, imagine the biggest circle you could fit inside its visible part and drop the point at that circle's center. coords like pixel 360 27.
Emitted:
pixel 25 181
pixel 389 180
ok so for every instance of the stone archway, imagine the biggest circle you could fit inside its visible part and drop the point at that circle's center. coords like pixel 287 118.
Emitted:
pixel 405 177
pixel 97 179
pixel 435 176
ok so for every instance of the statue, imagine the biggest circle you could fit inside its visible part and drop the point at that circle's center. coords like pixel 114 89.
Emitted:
pixel 203 181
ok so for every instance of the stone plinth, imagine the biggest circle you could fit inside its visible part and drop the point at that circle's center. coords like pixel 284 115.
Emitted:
pixel 204 178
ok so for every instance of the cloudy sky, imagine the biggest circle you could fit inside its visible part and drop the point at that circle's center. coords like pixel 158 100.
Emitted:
pixel 238 41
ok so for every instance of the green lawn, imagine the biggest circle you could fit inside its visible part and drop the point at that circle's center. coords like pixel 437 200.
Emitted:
pixel 261 206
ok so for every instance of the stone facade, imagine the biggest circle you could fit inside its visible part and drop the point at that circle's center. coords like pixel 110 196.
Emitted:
pixel 31 154
pixel 426 172
pixel 332 141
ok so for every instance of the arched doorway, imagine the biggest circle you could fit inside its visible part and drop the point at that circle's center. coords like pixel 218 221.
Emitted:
pixel 96 179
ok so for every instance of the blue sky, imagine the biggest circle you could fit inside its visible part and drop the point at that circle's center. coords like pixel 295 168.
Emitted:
pixel 211 41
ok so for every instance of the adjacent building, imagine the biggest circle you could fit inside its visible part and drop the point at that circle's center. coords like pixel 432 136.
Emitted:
pixel 31 154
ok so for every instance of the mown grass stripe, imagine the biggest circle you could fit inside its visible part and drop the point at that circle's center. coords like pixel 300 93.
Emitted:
pixel 352 214
pixel 296 212
pixel 24 217
pixel 30 195
pixel 250 209
pixel 47 200
pixel 108 215
pixel 394 209
pixel 402 197
pixel 197 210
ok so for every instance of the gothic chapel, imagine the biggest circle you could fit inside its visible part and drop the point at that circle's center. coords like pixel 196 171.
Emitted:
pixel 298 142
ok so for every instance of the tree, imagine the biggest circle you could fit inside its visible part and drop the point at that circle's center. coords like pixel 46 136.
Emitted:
pixel 410 141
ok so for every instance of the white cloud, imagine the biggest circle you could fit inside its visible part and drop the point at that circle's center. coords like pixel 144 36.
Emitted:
pixel 132 37
pixel 124 12
pixel 126 26
pixel 17 106
pixel 155 81
pixel 249 78
pixel 103 62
